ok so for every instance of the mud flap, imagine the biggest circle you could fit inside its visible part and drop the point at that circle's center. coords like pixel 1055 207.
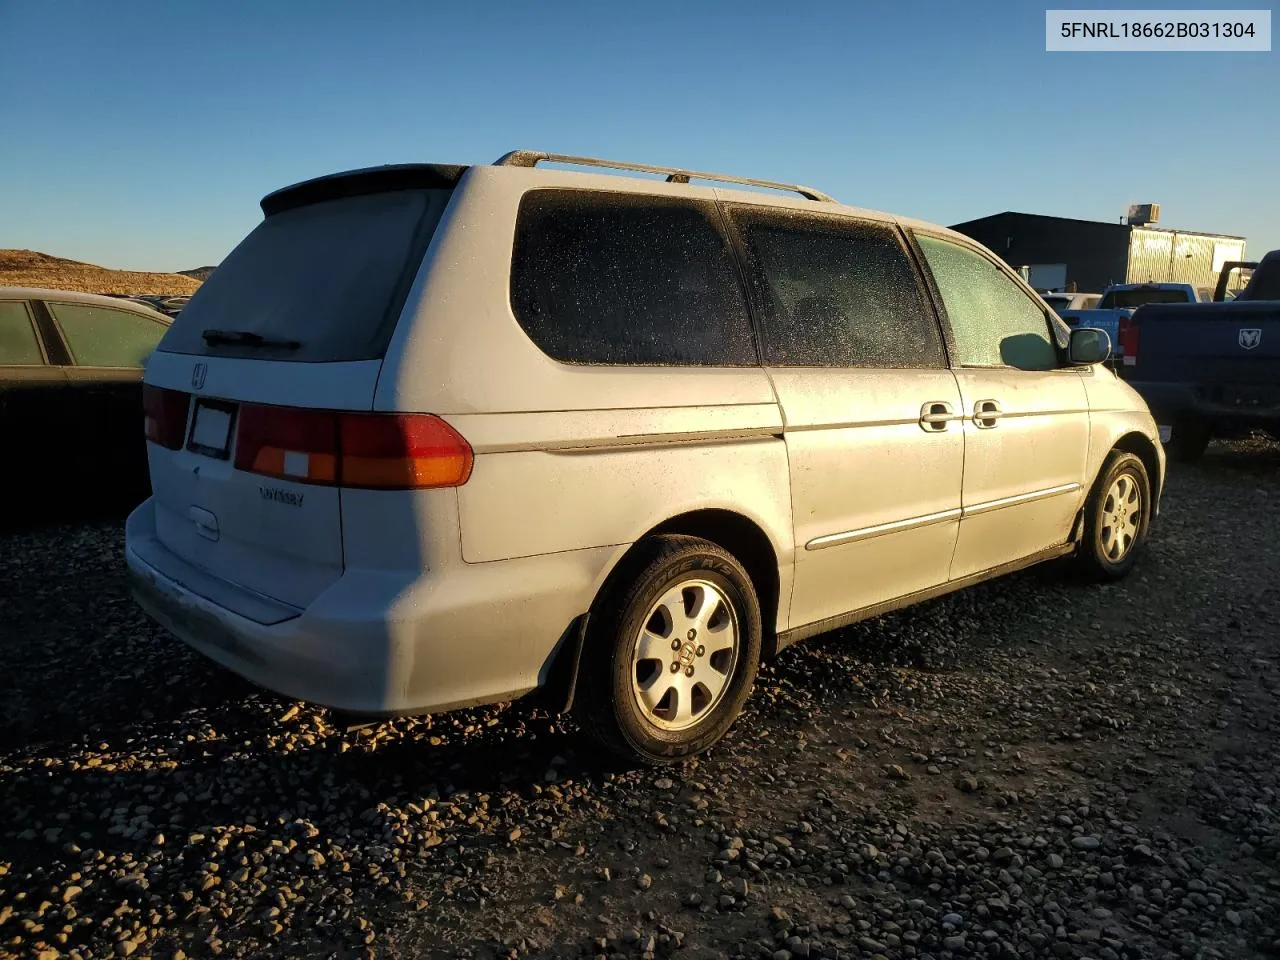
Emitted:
pixel 560 681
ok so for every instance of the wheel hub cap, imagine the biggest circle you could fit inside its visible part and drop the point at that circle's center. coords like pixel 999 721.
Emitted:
pixel 1121 515
pixel 685 655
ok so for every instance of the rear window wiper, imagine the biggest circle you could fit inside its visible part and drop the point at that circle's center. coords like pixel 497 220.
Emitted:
pixel 246 338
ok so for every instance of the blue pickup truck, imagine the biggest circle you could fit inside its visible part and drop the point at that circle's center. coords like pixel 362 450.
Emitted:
pixel 1120 300
pixel 1209 369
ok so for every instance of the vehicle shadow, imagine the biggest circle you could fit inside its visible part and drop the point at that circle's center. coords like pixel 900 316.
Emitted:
pixel 239 762
pixel 40 505
pixel 239 773
pixel 1258 455
pixel 126 679
pixel 202 754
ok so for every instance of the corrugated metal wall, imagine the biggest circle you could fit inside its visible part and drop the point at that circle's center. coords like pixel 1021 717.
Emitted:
pixel 1166 256
pixel 1098 254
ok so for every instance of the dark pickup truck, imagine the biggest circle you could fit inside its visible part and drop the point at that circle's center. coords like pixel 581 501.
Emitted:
pixel 1209 369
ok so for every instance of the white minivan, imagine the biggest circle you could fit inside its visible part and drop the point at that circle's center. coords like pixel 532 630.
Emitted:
pixel 434 436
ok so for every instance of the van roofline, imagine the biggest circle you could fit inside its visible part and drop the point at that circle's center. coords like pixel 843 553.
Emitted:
pixel 408 176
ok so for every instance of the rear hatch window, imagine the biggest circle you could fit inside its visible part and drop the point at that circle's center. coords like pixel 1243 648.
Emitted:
pixel 319 283
pixel 1132 299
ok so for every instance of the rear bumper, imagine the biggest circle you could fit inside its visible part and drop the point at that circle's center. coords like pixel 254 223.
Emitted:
pixel 378 642
pixel 1170 402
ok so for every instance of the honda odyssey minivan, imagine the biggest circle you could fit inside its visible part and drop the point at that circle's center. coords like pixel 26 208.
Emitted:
pixel 434 436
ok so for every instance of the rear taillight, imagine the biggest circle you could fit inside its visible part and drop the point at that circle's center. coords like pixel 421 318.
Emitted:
pixel 1128 337
pixel 293 444
pixel 401 451
pixel 165 415
pixel 374 450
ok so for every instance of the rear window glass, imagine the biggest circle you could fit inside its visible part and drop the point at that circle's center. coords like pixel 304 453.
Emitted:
pixel 102 337
pixel 18 343
pixel 614 278
pixel 1127 299
pixel 331 276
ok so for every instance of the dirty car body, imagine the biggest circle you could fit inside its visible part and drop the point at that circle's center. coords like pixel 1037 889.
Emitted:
pixel 434 436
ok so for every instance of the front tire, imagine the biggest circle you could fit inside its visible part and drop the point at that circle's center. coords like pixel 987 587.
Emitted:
pixel 1117 517
pixel 672 647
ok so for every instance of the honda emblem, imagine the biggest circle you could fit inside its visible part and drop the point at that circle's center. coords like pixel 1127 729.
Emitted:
pixel 200 369
pixel 1250 337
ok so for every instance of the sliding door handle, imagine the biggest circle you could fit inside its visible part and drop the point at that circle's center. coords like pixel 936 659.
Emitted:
pixel 986 414
pixel 935 415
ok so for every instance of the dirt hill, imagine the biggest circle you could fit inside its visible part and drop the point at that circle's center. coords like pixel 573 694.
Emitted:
pixel 27 268
pixel 199 273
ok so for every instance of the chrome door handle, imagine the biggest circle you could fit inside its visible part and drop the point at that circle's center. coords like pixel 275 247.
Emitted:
pixel 986 414
pixel 935 415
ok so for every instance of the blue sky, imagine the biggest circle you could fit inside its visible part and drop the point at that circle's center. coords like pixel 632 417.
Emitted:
pixel 141 134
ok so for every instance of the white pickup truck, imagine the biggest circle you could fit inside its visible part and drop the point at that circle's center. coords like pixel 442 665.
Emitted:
pixel 1062 302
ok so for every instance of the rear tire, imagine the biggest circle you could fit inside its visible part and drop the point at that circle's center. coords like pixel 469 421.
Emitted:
pixel 1189 441
pixel 1117 516
pixel 673 643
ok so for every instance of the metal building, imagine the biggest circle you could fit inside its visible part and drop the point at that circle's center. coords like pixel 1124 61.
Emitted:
pixel 1087 255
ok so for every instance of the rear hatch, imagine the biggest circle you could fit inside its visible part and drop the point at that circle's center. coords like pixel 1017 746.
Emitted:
pixel 243 392
pixel 1230 352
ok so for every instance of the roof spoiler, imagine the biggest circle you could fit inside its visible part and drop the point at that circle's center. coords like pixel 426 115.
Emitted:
pixel 354 183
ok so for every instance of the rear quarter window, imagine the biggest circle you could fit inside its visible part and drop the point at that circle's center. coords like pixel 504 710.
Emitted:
pixel 103 337
pixel 332 276
pixel 615 278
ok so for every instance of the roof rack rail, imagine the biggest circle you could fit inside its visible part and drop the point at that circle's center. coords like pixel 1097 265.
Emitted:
pixel 531 158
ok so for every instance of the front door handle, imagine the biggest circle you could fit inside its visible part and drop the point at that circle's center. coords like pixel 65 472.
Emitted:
pixel 935 415
pixel 986 414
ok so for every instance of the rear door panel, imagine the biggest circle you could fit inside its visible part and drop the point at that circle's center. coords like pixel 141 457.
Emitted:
pixel 32 407
pixel 103 369
pixel 107 406
pixel 876 498
pixel 856 357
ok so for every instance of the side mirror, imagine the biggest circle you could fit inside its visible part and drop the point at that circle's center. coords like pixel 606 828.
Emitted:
pixel 1088 346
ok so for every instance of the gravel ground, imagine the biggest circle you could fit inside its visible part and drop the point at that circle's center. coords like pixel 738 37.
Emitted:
pixel 1031 768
